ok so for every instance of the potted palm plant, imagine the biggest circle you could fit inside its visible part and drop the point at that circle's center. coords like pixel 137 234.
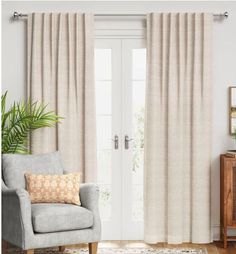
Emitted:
pixel 20 120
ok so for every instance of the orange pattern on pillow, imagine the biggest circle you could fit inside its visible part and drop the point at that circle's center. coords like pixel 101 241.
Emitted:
pixel 53 188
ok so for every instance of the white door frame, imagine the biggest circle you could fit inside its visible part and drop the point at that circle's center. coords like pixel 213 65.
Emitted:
pixel 121 41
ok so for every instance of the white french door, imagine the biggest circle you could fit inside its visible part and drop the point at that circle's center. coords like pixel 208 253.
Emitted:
pixel 120 73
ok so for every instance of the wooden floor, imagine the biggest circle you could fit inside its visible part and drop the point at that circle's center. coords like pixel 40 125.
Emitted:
pixel 213 248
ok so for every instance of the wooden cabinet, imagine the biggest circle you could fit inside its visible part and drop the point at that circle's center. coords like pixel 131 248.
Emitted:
pixel 227 197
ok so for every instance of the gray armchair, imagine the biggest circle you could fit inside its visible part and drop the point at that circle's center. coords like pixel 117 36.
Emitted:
pixel 31 226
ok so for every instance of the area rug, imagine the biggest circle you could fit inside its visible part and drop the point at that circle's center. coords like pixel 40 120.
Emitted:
pixel 119 251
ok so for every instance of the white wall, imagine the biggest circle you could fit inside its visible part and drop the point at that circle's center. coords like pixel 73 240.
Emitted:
pixel 224 64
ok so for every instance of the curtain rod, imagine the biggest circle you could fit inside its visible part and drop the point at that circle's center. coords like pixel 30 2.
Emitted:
pixel 16 15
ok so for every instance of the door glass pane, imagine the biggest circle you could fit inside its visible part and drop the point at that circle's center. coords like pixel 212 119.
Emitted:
pixel 105 202
pixel 138 103
pixel 138 97
pixel 103 97
pixel 139 64
pixel 137 170
pixel 104 166
pixel 102 64
pixel 103 84
pixel 137 206
pixel 103 132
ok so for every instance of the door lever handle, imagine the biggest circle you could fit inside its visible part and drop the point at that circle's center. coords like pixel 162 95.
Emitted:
pixel 116 142
pixel 127 140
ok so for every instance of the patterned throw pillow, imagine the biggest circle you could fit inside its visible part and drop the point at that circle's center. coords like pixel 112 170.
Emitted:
pixel 53 188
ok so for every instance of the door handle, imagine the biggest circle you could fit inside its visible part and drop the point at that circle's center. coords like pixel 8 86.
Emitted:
pixel 116 142
pixel 127 140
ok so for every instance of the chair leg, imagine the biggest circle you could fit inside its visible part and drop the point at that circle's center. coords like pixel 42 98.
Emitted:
pixel 29 251
pixel 4 246
pixel 62 248
pixel 93 248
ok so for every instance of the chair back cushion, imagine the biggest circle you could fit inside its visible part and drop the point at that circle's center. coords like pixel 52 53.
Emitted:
pixel 14 167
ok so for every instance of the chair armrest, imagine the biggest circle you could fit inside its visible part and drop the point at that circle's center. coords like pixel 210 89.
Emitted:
pixel 16 216
pixel 89 196
pixel 4 187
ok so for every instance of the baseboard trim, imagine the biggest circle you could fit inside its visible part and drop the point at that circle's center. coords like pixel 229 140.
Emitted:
pixel 215 229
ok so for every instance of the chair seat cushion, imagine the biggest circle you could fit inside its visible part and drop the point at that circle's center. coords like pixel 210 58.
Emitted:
pixel 48 218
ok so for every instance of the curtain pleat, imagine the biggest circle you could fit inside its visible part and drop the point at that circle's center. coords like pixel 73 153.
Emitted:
pixel 61 74
pixel 178 128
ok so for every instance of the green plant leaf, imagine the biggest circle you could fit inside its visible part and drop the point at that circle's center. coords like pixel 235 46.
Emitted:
pixel 20 120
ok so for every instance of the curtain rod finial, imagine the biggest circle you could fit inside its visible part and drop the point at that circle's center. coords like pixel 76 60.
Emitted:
pixel 16 15
pixel 226 14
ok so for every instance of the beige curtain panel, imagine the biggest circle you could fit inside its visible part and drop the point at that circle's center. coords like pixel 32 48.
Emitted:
pixel 178 128
pixel 61 74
